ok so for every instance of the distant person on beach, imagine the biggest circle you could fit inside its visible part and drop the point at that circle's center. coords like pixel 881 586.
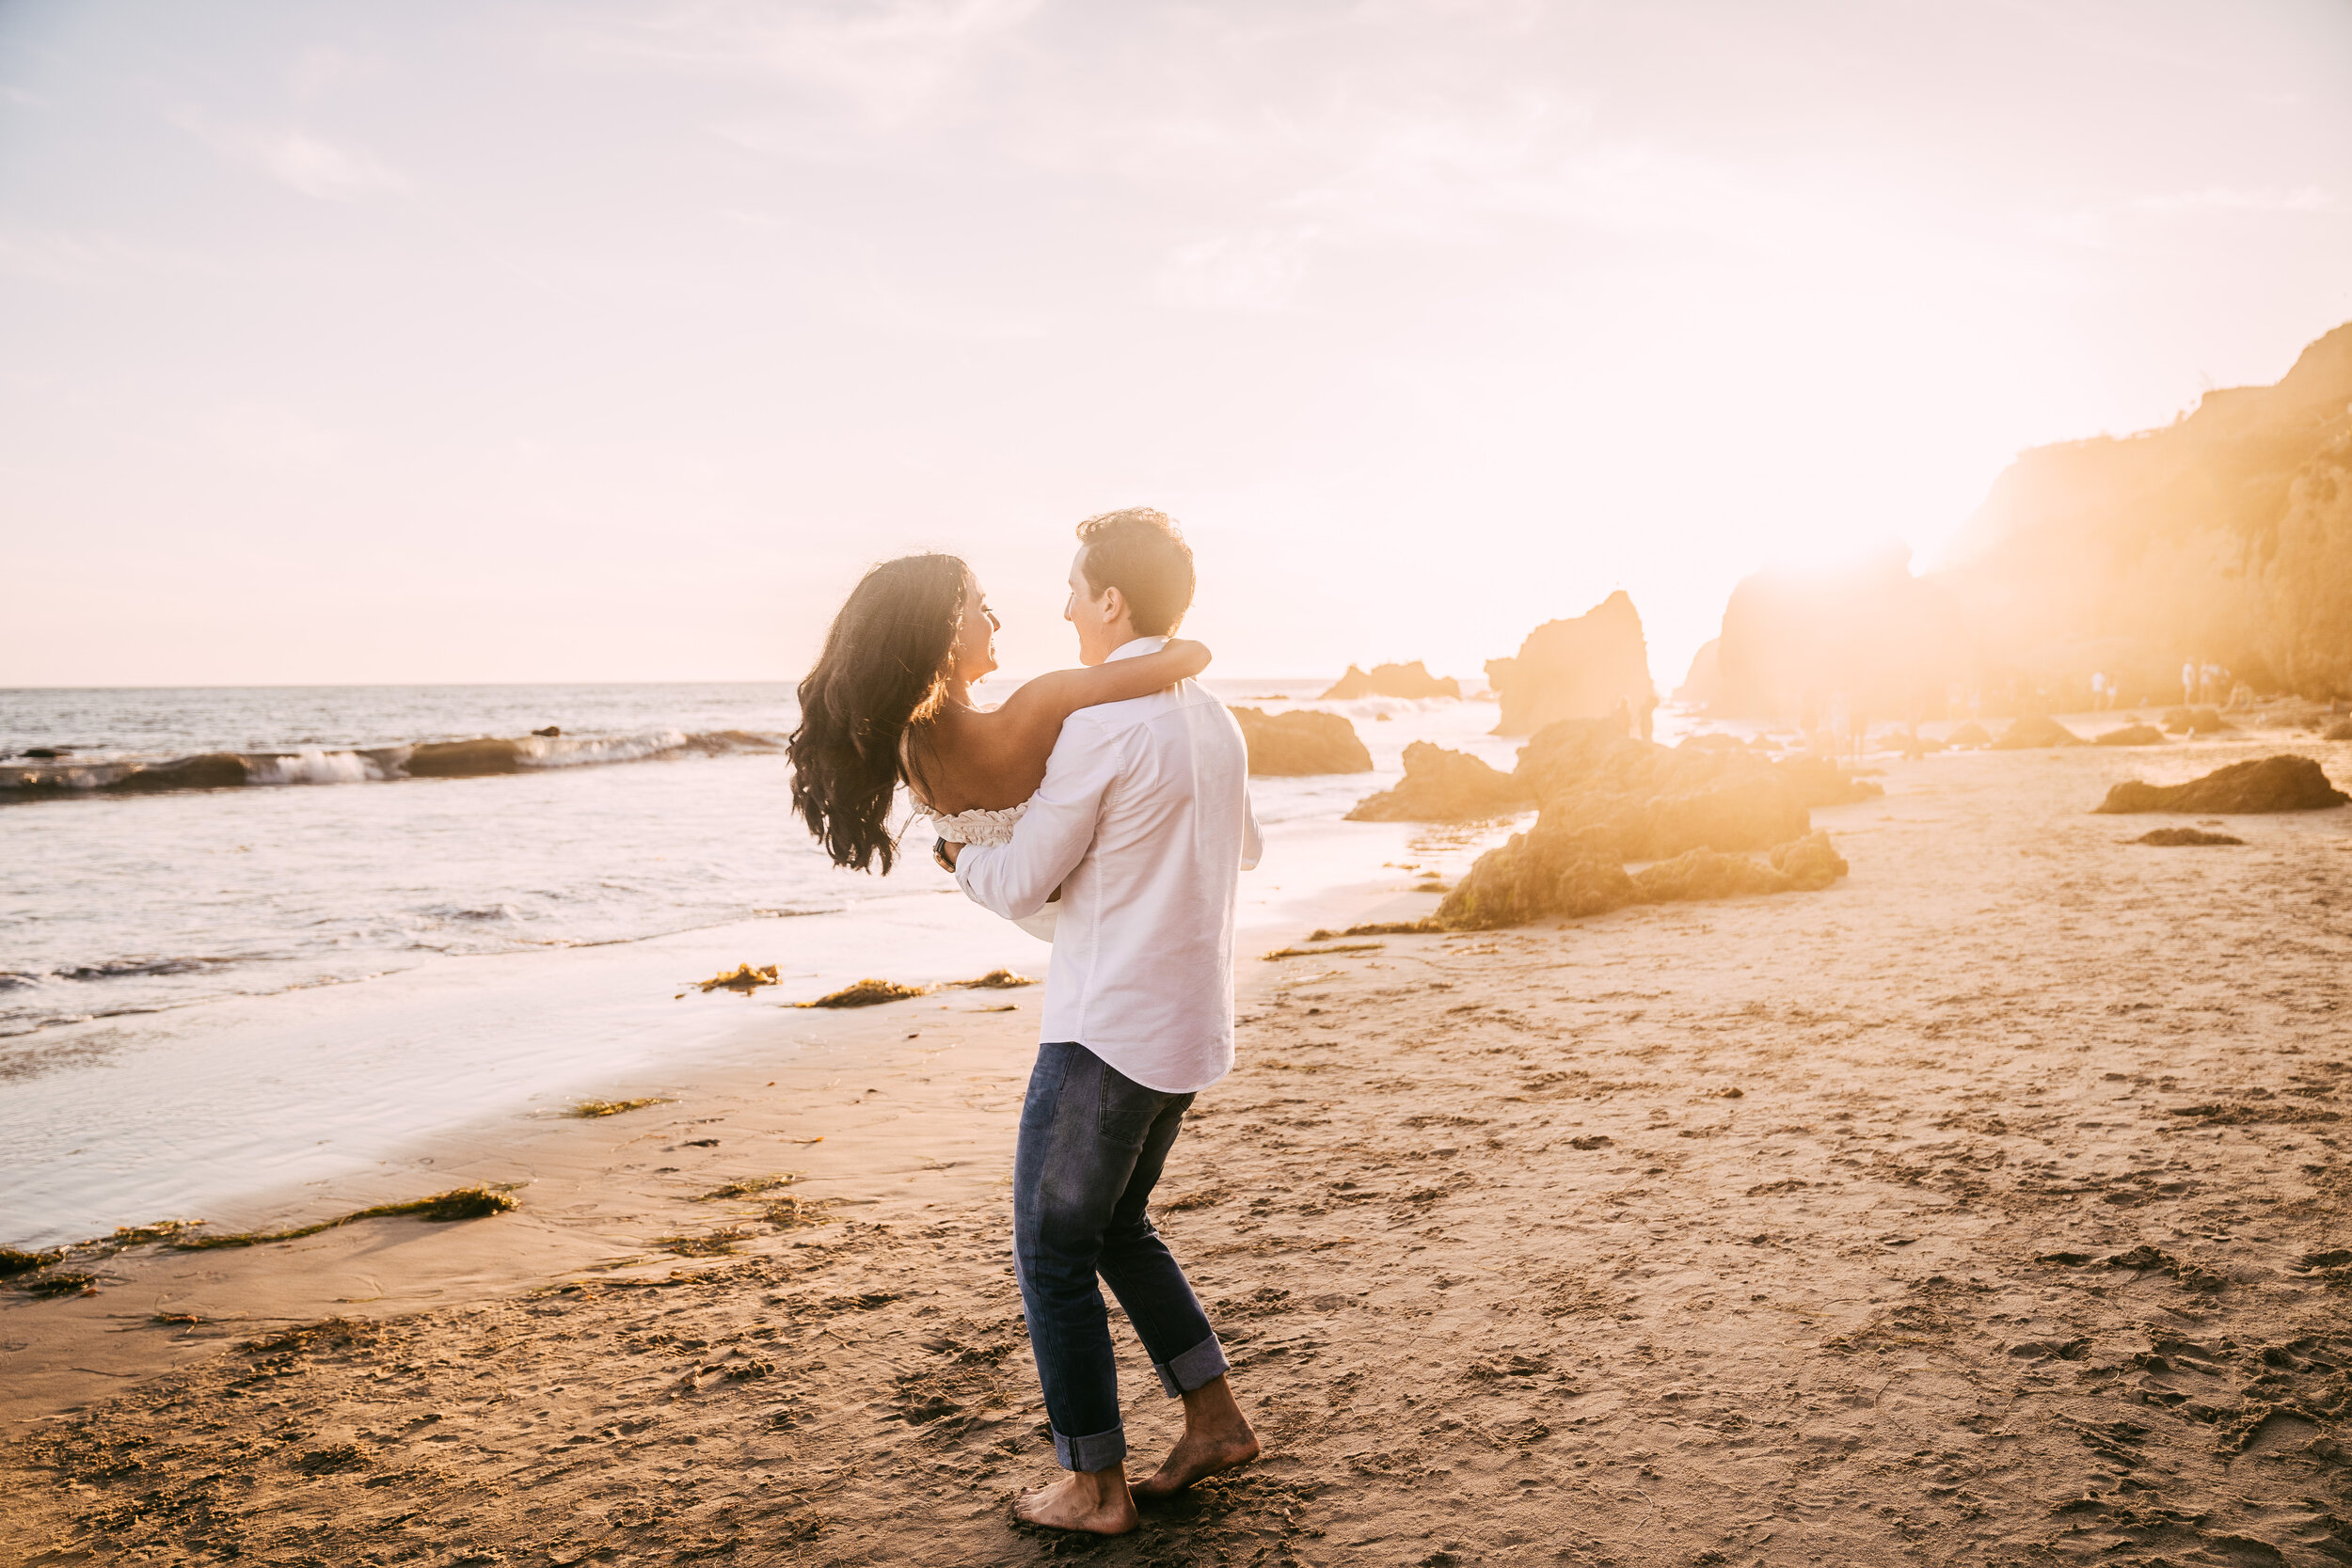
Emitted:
pixel 2188 684
pixel 1138 823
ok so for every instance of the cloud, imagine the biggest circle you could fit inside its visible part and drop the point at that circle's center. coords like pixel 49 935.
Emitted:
pixel 891 59
pixel 312 164
pixel 2221 198
pixel 1236 272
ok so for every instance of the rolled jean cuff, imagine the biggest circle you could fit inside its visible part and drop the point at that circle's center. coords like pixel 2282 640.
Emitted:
pixel 1194 1369
pixel 1098 1452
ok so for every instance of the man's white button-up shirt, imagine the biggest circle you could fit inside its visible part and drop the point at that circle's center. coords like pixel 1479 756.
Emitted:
pixel 1144 823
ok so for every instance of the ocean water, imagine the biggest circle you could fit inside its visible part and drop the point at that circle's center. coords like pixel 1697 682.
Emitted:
pixel 205 992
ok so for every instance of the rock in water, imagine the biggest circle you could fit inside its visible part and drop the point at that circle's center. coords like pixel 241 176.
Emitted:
pixel 2339 730
pixel 2131 735
pixel 1301 741
pixel 2182 838
pixel 1575 669
pixel 2033 731
pixel 2267 783
pixel 1442 785
pixel 1549 870
pixel 1970 733
pixel 1411 681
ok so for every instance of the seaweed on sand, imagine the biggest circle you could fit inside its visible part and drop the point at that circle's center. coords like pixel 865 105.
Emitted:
pixel 14 1262
pixel 614 1107
pixel 749 1186
pixel 459 1203
pixel 63 1284
pixel 996 980
pixel 743 977
pixel 1317 952
pixel 866 993
pixel 789 1212
pixel 713 1244
pixel 1379 928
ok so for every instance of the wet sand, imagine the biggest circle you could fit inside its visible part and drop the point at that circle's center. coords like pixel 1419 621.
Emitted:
pixel 1988 1208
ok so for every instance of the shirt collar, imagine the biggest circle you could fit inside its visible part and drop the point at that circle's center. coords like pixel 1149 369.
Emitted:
pixel 1135 648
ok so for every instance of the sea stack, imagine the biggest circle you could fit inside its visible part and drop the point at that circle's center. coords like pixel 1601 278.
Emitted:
pixel 1583 668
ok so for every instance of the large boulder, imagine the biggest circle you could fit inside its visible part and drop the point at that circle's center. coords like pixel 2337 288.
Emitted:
pixel 2339 730
pixel 1442 785
pixel 2267 783
pixel 1583 668
pixel 1550 870
pixel 1654 802
pixel 1301 741
pixel 1969 733
pixel 1411 681
pixel 2033 732
pixel 1705 874
pixel 2131 735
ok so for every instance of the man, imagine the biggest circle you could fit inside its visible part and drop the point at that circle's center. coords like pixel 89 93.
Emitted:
pixel 1143 824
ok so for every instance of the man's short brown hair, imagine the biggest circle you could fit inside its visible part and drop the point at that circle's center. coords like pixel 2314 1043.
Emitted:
pixel 1140 552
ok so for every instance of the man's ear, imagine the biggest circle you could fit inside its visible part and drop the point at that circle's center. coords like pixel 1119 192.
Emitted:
pixel 1114 606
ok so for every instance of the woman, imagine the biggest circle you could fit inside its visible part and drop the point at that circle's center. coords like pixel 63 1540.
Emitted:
pixel 890 703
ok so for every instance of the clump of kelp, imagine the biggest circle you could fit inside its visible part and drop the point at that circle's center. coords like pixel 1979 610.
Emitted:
pixel 868 992
pixel 744 979
pixel 590 1109
pixel 458 1203
pixel 749 1186
pixel 996 980
pixel 871 992
pixel 48 1279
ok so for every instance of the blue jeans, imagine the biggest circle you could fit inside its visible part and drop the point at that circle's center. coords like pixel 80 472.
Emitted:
pixel 1092 1143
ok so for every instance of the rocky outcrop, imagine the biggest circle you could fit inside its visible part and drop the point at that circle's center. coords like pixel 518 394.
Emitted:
pixel 1969 733
pixel 1654 802
pixel 1411 681
pixel 1301 742
pixel 2269 784
pixel 2035 731
pixel 2184 838
pixel 1442 785
pixel 2223 538
pixel 1584 668
pixel 1551 870
pixel 1702 686
pixel 2339 730
pixel 1871 634
pixel 2131 735
pixel 1807 864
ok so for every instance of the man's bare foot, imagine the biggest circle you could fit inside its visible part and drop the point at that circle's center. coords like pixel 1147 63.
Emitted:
pixel 1195 1456
pixel 1097 1503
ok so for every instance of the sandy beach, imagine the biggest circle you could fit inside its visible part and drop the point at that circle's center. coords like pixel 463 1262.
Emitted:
pixel 1987 1208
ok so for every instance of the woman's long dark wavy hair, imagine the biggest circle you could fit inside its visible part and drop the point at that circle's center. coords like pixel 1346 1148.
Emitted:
pixel 885 668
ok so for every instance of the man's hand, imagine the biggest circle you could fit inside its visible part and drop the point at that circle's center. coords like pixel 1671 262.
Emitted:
pixel 944 851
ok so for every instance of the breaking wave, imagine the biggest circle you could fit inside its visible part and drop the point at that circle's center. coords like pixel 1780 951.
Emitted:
pixel 37 777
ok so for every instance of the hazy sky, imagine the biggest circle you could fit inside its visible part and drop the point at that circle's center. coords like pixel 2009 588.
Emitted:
pixel 512 340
